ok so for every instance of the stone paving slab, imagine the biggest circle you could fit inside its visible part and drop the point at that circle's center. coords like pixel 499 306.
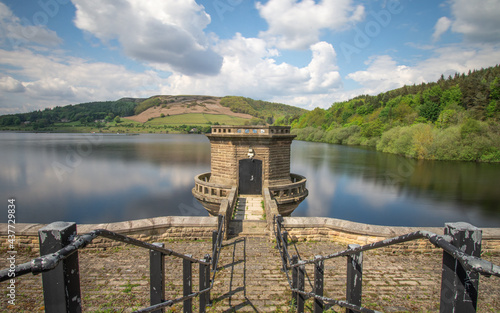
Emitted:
pixel 250 280
pixel 249 208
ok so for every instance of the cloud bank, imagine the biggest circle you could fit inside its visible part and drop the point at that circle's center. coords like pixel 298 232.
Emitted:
pixel 167 32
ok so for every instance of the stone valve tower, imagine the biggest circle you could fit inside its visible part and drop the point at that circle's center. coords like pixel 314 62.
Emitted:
pixel 252 159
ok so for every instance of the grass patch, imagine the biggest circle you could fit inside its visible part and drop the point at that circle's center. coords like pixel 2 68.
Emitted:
pixel 200 119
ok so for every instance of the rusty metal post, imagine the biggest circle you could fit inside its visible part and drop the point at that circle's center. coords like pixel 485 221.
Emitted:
pixel 459 288
pixel 61 286
pixel 214 248
pixel 301 299
pixel 157 276
pixel 285 250
pixel 278 231
pixel 204 279
pixel 187 284
pixel 295 270
pixel 319 270
pixel 354 277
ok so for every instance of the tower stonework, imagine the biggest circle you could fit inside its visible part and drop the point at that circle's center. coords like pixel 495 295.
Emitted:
pixel 252 158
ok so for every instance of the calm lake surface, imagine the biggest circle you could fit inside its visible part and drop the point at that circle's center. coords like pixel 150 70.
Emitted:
pixel 93 178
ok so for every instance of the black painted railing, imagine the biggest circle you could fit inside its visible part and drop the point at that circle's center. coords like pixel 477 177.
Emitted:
pixel 459 282
pixel 58 263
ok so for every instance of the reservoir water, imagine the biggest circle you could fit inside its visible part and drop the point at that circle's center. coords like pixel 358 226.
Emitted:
pixel 95 178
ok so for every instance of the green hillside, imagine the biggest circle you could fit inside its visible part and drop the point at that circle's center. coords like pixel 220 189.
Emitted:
pixel 108 116
pixel 455 118
pixel 268 112
pixel 197 119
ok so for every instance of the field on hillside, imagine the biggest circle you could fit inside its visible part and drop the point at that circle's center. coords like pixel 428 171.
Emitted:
pixel 198 119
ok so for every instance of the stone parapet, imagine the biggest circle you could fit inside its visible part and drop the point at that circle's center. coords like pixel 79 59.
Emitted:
pixel 227 130
pixel 346 232
pixel 309 229
pixel 149 230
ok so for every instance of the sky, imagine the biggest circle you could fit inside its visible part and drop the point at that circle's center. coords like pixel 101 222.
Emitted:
pixel 307 53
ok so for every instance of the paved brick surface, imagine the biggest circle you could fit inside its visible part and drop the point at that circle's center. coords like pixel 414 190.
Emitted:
pixel 249 279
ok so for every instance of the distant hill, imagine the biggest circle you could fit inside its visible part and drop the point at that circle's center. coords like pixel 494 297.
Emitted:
pixel 236 110
pixel 454 118
pixel 161 106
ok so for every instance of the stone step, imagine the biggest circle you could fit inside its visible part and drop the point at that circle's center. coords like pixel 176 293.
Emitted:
pixel 249 208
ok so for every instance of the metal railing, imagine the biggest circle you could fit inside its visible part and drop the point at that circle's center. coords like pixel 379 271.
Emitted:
pixel 459 283
pixel 58 263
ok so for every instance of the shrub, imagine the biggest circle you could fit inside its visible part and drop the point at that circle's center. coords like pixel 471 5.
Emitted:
pixel 471 127
pixel 422 141
pixel 447 144
pixel 346 132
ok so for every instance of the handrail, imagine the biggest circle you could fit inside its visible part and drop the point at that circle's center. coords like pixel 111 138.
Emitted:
pixel 172 302
pixel 216 252
pixel 48 262
pixel 336 302
pixel 469 262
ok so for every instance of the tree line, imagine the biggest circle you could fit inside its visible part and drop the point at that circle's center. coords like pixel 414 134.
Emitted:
pixel 455 118
pixel 85 113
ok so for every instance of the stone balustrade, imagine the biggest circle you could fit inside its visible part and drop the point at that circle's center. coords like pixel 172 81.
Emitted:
pixel 250 130
pixel 290 192
pixel 210 194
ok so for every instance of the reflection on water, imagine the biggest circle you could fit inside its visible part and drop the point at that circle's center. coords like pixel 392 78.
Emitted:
pixel 101 178
pixel 367 186
pixel 107 178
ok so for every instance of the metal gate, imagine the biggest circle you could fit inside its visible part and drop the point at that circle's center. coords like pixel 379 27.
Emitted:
pixel 250 181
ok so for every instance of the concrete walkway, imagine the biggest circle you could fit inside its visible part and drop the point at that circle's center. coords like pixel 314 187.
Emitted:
pixel 249 208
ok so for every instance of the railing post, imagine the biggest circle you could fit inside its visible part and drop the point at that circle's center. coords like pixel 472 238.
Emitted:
pixel 301 285
pixel 354 277
pixel 319 269
pixel 187 284
pixel 459 288
pixel 157 276
pixel 214 247
pixel 285 250
pixel 61 286
pixel 204 284
pixel 295 284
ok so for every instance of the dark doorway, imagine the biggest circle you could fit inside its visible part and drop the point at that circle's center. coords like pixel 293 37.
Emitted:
pixel 250 182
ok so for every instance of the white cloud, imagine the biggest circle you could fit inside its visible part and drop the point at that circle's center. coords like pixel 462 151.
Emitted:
pixel 10 84
pixel 249 70
pixel 60 80
pixel 477 20
pixel 384 73
pixel 442 25
pixel 296 24
pixel 167 32
pixel 15 32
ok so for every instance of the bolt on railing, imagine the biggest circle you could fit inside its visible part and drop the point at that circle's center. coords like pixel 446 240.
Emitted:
pixel 58 263
pixel 461 244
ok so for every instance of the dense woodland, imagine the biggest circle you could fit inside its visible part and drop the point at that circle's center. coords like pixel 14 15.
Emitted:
pixel 85 113
pixel 455 118
pixel 265 112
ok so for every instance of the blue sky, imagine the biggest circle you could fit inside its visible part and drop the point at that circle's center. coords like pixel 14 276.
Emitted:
pixel 300 52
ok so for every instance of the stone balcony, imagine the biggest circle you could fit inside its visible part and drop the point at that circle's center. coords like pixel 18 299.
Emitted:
pixel 289 196
pixel 209 194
